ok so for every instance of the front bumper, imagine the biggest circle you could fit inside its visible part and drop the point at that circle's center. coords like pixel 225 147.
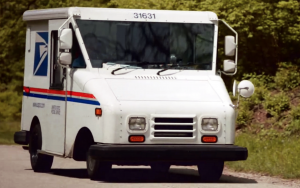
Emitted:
pixel 167 153
pixel 21 137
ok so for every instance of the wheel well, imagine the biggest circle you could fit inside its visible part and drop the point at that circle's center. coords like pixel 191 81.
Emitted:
pixel 83 141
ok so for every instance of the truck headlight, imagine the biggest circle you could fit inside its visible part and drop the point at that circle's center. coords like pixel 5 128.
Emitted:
pixel 209 124
pixel 137 123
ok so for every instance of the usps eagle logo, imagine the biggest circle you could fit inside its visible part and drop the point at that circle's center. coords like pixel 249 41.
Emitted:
pixel 41 54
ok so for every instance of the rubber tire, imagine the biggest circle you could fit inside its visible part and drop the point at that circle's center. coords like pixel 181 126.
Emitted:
pixel 164 168
pixel 210 171
pixel 39 162
pixel 97 170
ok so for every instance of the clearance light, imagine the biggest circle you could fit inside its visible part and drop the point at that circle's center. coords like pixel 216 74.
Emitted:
pixel 135 138
pixel 27 90
pixel 209 139
pixel 98 112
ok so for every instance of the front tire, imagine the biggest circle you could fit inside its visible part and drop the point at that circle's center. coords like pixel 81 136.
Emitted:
pixel 39 162
pixel 210 171
pixel 97 170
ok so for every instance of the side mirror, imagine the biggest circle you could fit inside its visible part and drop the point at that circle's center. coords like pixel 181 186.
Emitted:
pixel 65 58
pixel 230 46
pixel 66 39
pixel 246 88
pixel 229 66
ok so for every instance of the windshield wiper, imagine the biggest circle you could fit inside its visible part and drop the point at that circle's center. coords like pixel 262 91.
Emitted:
pixel 161 71
pixel 173 65
pixel 113 72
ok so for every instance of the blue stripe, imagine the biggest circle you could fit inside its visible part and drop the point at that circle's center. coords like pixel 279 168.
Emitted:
pixel 70 99
pixel 85 101
pixel 56 98
pixel 35 95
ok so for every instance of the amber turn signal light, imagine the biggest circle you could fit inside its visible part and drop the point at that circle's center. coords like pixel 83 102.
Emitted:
pixel 136 138
pixel 209 139
pixel 98 112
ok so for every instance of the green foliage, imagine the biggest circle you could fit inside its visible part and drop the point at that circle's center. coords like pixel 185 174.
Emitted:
pixel 10 102
pixel 268 133
pixel 245 116
pixel 276 104
pixel 295 113
pixel 293 128
pixel 155 4
pixel 261 83
pixel 246 108
pixel 282 118
pixel 7 130
pixel 260 80
pixel 287 76
pixel 268 31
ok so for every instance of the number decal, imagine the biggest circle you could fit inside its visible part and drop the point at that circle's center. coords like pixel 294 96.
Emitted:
pixel 144 15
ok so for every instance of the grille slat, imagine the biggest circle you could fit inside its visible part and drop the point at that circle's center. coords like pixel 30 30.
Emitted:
pixel 173 127
pixel 173 120
pixel 172 134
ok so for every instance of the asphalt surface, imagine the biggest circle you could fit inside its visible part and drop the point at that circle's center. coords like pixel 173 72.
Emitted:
pixel 16 172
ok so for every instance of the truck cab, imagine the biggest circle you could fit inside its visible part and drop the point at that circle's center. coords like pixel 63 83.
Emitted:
pixel 128 87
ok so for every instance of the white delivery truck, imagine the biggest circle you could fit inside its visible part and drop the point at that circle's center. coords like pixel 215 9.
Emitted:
pixel 128 87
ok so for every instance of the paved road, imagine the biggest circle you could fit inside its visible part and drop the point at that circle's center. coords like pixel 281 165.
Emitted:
pixel 16 172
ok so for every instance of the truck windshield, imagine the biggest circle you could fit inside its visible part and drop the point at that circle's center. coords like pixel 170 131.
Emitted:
pixel 149 45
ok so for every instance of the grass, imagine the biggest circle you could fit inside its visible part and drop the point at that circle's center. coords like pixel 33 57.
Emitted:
pixel 276 157
pixel 7 130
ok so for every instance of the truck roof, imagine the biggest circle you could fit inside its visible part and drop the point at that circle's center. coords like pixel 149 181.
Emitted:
pixel 94 12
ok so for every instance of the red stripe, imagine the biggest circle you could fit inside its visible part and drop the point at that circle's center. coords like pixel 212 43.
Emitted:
pixel 71 93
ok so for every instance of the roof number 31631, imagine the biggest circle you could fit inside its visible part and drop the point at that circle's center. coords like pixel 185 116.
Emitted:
pixel 144 15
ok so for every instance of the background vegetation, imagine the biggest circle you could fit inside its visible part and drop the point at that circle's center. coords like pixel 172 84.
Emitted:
pixel 269 33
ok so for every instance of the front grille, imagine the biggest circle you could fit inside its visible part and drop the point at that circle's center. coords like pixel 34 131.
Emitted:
pixel 171 127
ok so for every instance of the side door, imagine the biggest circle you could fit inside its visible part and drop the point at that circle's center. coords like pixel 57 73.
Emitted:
pixel 56 100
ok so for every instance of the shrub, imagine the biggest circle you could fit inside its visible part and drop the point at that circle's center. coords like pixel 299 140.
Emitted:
pixel 293 128
pixel 295 113
pixel 287 76
pixel 276 104
pixel 10 102
pixel 245 114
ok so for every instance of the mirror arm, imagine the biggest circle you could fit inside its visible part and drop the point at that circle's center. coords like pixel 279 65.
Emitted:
pixel 81 44
pixel 236 50
pixel 61 27
pixel 59 32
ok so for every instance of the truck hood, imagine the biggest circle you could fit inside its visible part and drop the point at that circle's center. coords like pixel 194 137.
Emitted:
pixel 163 90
